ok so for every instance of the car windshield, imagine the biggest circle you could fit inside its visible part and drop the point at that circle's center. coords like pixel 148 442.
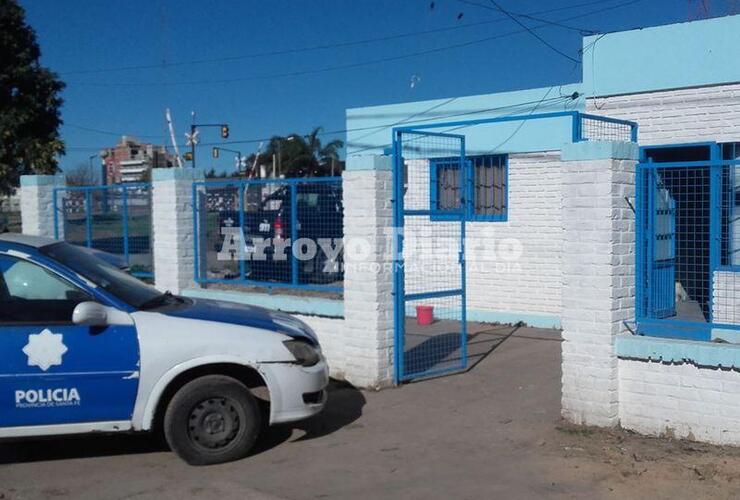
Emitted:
pixel 111 279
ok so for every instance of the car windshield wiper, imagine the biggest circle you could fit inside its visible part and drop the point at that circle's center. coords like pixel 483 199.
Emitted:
pixel 159 300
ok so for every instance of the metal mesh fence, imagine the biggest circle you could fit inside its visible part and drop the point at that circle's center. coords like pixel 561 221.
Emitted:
pixel 285 233
pixel 10 215
pixel 431 335
pixel 597 128
pixel 688 218
pixel 114 219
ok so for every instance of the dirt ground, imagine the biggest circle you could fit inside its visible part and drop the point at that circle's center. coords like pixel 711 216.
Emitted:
pixel 493 432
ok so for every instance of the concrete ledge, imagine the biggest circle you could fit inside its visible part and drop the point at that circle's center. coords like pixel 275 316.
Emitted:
pixel 168 174
pixel 707 354
pixel 369 162
pixel 309 306
pixel 42 180
pixel 600 150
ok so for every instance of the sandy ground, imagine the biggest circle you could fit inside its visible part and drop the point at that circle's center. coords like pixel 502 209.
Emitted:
pixel 493 432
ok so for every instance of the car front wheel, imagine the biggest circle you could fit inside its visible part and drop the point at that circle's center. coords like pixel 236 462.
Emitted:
pixel 212 419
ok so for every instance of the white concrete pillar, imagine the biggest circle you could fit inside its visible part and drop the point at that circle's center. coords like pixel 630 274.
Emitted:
pixel 37 205
pixel 368 275
pixel 598 273
pixel 173 228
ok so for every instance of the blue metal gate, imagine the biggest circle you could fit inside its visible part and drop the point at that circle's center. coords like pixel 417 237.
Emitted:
pixel 660 257
pixel 685 214
pixel 429 263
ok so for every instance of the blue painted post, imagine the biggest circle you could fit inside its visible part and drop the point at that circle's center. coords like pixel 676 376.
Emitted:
pixel 242 240
pixel 577 133
pixel 293 233
pixel 399 316
pixel 196 233
pixel 715 220
pixel 124 201
pixel 88 217
pixel 56 214
pixel 639 243
pixel 467 171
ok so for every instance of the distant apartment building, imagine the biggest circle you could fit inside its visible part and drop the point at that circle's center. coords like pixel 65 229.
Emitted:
pixel 130 160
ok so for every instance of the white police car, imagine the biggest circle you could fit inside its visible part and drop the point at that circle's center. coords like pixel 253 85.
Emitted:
pixel 85 347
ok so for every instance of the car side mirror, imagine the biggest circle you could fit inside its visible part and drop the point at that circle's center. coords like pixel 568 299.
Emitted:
pixel 94 314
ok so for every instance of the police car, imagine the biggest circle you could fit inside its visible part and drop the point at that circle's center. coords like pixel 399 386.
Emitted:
pixel 85 347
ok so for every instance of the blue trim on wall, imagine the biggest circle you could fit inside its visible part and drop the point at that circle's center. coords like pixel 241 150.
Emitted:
pixel 678 351
pixel 310 306
pixel 369 162
pixel 541 135
pixel 168 174
pixel 600 150
pixel 667 57
pixel 42 180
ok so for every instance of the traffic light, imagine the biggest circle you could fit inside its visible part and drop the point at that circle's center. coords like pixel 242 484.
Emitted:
pixel 188 156
pixel 225 131
pixel 215 153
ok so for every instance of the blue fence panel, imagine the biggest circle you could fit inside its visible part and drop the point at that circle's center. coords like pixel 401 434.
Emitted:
pixel 688 219
pixel 116 219
pixel 274 233
pixel 10 215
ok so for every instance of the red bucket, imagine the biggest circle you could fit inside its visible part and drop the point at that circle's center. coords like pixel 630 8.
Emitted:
pixel 424 315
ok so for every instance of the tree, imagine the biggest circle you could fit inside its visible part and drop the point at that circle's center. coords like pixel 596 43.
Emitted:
pixel 302 155
pixel 29 103
pixel 81 175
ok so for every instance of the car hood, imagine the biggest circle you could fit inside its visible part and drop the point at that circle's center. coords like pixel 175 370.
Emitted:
pixel 242 315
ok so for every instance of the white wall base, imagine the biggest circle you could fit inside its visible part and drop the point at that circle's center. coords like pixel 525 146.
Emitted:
pixel 680 400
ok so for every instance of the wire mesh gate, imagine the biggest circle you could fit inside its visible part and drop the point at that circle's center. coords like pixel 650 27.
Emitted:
pixel 429 264
pixel 116 219
pixel 688 248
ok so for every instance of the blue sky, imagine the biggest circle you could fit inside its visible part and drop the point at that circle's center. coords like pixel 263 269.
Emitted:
pixel 173 44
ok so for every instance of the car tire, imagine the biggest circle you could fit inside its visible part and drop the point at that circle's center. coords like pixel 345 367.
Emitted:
pixel 211 420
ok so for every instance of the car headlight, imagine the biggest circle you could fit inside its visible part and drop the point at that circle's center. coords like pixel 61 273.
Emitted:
pixel 305 354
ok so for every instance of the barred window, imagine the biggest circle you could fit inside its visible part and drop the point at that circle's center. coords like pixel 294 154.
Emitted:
pixel 485 196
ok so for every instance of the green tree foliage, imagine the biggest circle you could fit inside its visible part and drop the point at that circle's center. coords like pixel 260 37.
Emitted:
pixel 29 102
pixel 302 155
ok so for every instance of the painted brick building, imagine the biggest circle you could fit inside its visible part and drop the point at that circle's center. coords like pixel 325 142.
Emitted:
pixel 588 264
pixel 130 160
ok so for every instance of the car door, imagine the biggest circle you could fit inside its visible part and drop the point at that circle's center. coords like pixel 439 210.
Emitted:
pixel 52 371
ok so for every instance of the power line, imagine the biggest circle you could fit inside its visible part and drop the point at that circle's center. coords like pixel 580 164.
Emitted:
pixel 411 117
pixel 537 104
pixel 108 132
pixel 376 128
pixel 533 18
pixel 322 47
pixel 351 65
pixel 531 32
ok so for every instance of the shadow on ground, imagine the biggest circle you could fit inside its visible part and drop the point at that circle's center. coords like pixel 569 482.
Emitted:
pixel 344 406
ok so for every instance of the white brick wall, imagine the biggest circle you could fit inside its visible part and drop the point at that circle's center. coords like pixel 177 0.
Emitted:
pixel 709 113
pixel 680 400
pixel 598 285
pixel 172 229
pixel 528 286
pixel 531 284
pixel 37 205
pixel 368 279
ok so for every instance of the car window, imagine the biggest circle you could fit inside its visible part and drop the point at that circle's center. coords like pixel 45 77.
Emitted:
pixel 30 293
pixel 114 281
